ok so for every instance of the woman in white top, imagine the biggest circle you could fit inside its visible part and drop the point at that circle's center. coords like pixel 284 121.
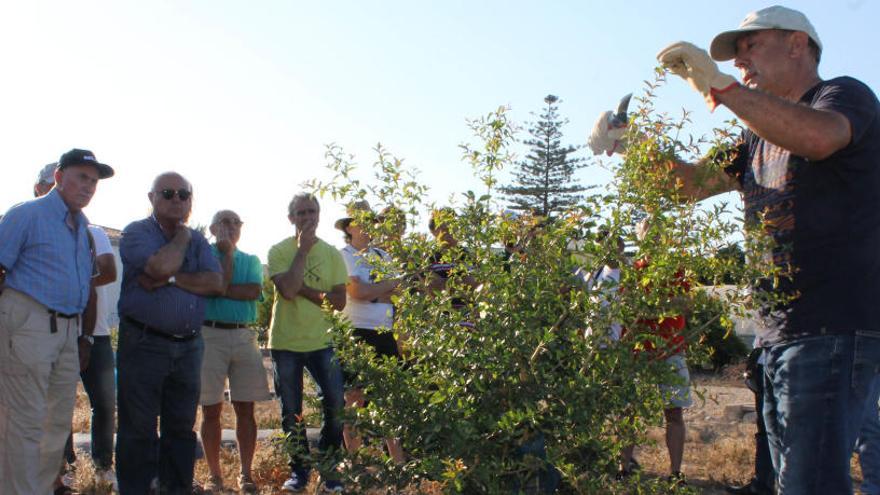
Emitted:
pixel 368 307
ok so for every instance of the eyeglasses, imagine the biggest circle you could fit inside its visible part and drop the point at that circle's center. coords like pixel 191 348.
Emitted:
pixel 183 194
pixel 231 222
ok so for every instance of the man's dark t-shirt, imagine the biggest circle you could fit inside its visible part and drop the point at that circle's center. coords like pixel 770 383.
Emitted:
pixel 824 216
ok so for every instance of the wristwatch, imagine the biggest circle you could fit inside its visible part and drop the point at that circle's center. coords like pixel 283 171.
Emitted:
pixel 88 338
pixel 172 280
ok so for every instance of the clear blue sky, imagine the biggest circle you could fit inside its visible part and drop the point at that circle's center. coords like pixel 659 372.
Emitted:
pixel 241 97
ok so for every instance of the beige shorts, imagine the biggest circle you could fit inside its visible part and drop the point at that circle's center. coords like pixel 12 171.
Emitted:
pixel 234 354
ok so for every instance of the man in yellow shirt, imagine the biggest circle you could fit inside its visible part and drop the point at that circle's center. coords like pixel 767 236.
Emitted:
pixel 306 272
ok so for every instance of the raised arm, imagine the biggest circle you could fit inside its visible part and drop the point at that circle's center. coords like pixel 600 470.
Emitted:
pixel 812 133
pixel 239 292
pixel 808 132
pixel 167 260
pixel 290 282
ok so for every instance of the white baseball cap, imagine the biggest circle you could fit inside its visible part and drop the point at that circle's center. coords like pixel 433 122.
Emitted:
pixel 723 47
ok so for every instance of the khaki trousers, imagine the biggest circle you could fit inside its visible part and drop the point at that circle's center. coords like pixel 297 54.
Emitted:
pixel 39 371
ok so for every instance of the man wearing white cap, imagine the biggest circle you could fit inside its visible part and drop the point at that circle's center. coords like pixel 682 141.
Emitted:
pixel 809 165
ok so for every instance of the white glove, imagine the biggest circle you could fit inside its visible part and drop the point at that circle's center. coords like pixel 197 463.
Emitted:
pixel 695 66
pixel 606 135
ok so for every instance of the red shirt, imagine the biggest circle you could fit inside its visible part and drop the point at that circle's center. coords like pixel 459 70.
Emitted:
pixel 670 327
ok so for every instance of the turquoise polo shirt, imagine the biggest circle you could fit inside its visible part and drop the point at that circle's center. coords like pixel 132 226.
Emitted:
pixel 246 269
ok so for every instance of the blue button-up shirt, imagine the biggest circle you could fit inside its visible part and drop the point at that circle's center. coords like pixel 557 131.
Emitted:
pixel 169 308
pixel 45 257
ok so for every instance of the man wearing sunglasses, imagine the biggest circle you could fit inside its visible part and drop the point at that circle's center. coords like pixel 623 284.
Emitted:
pixel 47 261
pixel 168 270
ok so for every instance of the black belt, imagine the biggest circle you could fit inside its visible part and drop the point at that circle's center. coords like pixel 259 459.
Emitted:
pixel 53 321
pixel 59 314
pixel 160 333
pixel 223 324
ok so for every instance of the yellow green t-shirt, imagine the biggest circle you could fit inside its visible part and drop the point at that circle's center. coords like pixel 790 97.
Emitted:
pixel 300 325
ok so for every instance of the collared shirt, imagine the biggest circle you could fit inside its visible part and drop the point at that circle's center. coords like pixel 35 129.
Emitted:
pixel 168 308
pixel 246 269
pixel 44 257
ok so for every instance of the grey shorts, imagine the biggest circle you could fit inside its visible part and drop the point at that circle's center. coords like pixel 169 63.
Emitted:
pixel 233 354
pixel 678 392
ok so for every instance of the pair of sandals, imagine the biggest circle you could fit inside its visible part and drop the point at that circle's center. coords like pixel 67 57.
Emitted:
pixel 215 485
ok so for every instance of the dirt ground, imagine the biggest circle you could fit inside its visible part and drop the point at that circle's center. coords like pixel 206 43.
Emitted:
pixel 719 448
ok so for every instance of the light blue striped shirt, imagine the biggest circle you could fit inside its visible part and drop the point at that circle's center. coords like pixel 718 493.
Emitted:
pixel 44 257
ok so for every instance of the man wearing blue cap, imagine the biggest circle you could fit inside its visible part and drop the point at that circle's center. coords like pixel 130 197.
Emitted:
pixel 47 262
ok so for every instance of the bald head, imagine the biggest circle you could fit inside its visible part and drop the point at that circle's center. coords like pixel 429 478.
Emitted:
pixel 166 175
pixel 171 197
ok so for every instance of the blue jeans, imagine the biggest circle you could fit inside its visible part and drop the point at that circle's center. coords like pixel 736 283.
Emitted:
pixel 817 392
pixel 158 378
pixel 99 381
pixel 868 448
pixel 765 476
pixel 325 370
pixel 547 478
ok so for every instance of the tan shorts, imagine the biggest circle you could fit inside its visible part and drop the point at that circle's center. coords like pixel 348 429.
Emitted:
pixel 234 354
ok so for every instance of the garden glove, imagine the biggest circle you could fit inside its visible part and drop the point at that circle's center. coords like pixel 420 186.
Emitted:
pixel 609 129
pixel 695 66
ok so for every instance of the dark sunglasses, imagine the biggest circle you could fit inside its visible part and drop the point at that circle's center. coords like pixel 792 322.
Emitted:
pixel 168 194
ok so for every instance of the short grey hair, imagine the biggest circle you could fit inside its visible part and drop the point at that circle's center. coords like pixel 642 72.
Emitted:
pixel 301 196
pixel 219 216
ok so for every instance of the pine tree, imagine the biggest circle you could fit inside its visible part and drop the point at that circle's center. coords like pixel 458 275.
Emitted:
pixel 544 182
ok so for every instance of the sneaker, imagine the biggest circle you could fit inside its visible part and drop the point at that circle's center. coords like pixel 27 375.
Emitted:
pixel 214 485
pixel 633 465
pixel 332 486
pixel 677 479
pixel 69 477
pixel 631 468
pixel 750 488
pixel 296 483
pixel 107 477
pixel 246 484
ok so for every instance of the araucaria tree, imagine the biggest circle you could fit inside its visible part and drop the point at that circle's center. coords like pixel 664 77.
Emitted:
pixel 544 182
